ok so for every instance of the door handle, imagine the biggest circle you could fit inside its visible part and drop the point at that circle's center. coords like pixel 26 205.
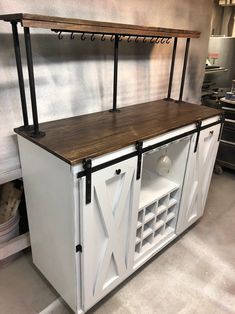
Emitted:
pixel 118 171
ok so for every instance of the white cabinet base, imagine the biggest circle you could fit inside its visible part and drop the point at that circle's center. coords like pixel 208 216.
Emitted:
pixel 127 221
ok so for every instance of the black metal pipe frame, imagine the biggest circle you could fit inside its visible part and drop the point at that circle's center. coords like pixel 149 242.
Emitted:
pixel 36 132
pixel 172 70
pixel 20 74
pixel 87 165
pixel 116 44
pixel 115 74
pixel 184 69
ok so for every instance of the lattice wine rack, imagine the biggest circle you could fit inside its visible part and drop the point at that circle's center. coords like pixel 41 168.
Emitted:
pixel 156 222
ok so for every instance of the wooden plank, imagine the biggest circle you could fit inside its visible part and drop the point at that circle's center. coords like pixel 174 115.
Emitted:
pixel 71 24
pixel 14 246
pixel 10 175
pixel 95 134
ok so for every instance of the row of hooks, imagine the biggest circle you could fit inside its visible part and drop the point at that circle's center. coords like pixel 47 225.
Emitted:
pixel 152 40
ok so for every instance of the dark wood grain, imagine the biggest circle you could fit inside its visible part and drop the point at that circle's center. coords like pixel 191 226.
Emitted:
pixel 95 134
pixel 71 24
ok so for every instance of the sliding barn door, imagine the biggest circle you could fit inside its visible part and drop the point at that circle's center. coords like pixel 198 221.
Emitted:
pixel 208 144
pixel 198 177
pixel 106 225
pixel 190 202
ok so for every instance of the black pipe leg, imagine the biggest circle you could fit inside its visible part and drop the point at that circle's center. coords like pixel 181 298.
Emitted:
pixel 20 75
pixel 36 132
pixel 172 70
pixel 184 69
pixel 115 75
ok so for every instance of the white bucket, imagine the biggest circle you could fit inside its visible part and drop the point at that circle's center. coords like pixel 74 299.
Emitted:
pixel 8 231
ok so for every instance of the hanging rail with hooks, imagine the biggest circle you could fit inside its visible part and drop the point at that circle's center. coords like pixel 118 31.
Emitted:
pixel 86 29
pixel 111 37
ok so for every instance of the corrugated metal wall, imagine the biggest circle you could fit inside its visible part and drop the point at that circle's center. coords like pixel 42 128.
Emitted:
pixel 75 77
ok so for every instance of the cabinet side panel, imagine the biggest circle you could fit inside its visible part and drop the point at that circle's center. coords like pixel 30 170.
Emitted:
pixel 48 187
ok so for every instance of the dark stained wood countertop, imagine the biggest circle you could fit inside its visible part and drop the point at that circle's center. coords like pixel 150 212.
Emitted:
pixel 92 135
pixel 73 24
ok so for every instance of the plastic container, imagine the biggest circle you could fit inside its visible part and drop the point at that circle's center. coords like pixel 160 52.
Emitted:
pixel 230 96
pixel 8 231
pixel 233 87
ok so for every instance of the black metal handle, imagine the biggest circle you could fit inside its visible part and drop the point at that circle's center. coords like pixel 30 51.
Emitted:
pixel 118 171
pixel 211 133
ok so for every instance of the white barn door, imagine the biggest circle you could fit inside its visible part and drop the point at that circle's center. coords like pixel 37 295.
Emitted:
pixel 190 203
pixel 106 225
pixel 198 176
pixel 208 144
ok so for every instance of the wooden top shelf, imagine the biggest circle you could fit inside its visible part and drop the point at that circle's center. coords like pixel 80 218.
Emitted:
pixel 92 135
pixel 71 24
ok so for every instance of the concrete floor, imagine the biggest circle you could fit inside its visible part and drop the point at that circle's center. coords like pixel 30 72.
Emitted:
pixel 194 275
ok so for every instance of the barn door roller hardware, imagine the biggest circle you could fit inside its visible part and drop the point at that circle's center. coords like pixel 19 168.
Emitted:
pixel 198 127
pixel 139 148
pixel 88 170
pixel 222 119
